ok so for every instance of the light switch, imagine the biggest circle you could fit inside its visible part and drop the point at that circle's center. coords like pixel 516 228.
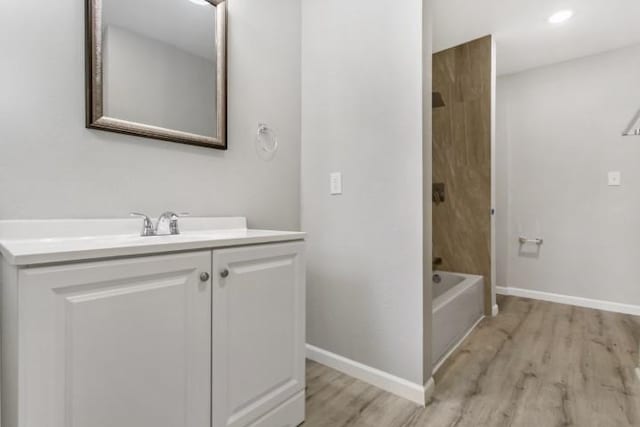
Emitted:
pixel 615 179
pixel 335 183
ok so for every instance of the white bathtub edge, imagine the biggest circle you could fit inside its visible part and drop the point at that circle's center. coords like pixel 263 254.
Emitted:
pixel 455 347
pixel 416 393
pixel 615 307
pixel 444 299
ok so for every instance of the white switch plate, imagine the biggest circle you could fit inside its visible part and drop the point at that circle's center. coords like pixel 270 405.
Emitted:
pixel 335 183
pixel 615 179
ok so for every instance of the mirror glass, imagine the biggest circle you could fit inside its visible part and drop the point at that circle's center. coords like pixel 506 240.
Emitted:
pixel 157 69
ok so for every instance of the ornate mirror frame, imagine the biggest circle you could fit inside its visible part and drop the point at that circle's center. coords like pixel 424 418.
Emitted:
pixel 95 118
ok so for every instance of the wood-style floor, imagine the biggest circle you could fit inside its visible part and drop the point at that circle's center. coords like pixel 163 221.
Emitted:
pixel 537 364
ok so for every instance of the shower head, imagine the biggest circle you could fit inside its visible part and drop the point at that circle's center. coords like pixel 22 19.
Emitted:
pixel 437 100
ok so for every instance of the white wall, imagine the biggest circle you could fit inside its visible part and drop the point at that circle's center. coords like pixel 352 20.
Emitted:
pixel 51 166
pixel 501 187
pixel 152 82
pixel 362 116
pixel 427 187
pixel 559 133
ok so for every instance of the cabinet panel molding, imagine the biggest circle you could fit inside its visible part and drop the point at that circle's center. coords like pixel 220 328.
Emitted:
pixel 258 331
pixel 127 343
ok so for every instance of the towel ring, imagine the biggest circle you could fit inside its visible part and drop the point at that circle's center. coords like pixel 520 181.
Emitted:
pixel 266 142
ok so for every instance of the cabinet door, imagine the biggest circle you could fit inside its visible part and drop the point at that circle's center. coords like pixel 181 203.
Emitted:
pixel 122 343
pixel 258 330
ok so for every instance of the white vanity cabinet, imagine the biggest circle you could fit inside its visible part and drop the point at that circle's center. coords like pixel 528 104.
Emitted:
pixel 115 343
pixel 205 338
pixel 258 335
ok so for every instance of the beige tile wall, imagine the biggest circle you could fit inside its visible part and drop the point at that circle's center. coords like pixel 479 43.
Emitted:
pixel 462 160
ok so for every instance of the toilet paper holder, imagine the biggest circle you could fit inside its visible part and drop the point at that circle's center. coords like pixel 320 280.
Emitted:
pixel 524 241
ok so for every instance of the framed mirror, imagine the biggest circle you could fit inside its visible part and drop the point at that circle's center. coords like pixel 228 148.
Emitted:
pixel 157 69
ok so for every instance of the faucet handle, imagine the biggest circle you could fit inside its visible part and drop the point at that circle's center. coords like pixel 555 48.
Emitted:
pixel 147 225
pixel 173 224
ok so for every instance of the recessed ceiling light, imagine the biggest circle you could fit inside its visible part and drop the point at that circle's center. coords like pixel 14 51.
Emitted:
pixel 200 2
pixel 558 17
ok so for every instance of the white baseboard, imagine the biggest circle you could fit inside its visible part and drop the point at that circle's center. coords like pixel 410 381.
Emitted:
pixel 418 393
pixel 495 310
pixel 566 299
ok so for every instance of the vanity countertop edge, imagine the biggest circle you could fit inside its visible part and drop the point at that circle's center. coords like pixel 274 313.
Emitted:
pixel 29 243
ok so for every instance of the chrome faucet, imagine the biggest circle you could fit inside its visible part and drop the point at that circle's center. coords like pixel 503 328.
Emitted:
pixel 167 224
pixel 147 225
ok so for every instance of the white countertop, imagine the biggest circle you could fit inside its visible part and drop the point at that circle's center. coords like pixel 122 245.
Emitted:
pixel 33 242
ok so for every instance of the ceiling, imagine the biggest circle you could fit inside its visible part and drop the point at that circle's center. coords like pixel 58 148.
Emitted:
pixel 181 23
pixel 524 37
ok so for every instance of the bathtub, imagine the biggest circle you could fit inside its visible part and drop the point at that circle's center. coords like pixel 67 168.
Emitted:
pixel 458 306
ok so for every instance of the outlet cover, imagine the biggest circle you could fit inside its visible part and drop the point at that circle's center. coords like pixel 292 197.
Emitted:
pixel 615 179
pixel 335 183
